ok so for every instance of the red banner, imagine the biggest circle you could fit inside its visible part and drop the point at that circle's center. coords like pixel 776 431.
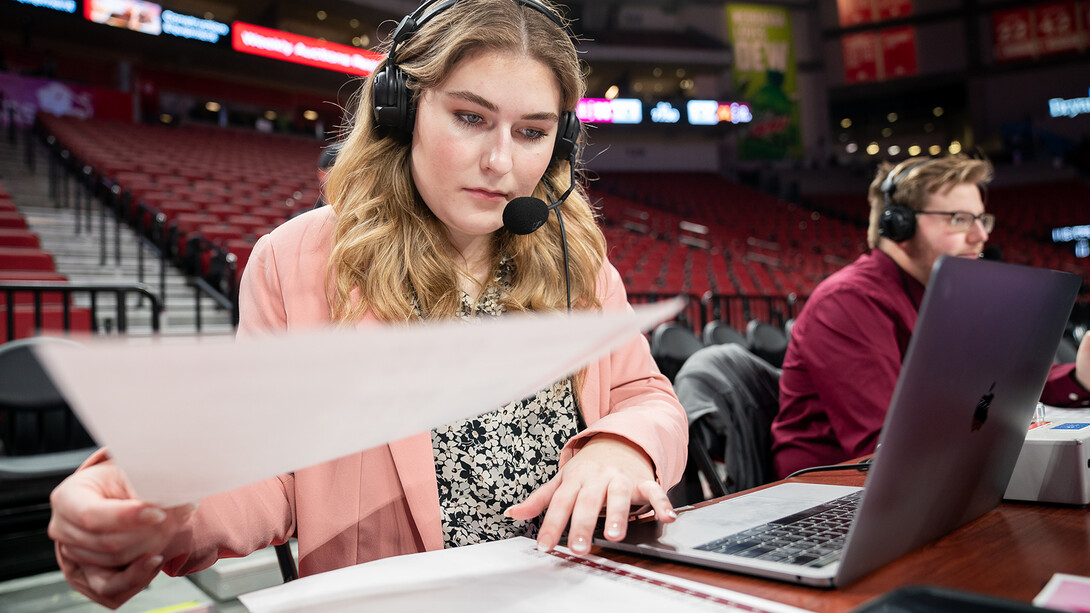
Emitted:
pixel 898 52
pixel 854 12
pixel 881 55
pixel 892 9
pixel 290 47
pixel 860 57
pixel 1058 27
pixel 1014 33
pixel 1041 30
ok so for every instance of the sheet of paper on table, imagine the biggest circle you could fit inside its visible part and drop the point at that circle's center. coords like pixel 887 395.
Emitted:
pixel 1065 592
pixel 509 575
pixel 185 421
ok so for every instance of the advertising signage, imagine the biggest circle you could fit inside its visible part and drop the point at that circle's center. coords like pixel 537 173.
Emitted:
pixel 765 74
pixel 64 6
pixel 690 112
pixel 1080 235
pixel 288 47
pixel 135 15
pixel 194 28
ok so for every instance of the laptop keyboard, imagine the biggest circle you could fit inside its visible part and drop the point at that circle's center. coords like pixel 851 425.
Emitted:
pixel 813 537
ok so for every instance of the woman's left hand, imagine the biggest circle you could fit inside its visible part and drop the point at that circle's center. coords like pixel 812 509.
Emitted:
pixel 607 472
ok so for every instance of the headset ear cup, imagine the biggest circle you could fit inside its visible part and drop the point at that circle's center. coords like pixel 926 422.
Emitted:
pixel 567 136
pixel 391 99
pixel 897 223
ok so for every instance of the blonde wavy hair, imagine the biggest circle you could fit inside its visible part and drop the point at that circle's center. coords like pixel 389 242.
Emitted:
pixel 923 176
pixel 388 246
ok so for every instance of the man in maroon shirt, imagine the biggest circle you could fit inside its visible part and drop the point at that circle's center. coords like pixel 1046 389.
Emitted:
pixel 850 338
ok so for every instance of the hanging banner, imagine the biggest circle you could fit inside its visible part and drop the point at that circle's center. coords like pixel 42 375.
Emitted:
pixel 898 52
pixel 1058 27
pixel 1043 29
pixel 892 9
pixel 877 56
pixel 1013 34
pixel 764 75
pixel 856 12
pixel 860 57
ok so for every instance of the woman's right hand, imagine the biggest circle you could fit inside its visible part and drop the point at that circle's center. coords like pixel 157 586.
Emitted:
pixel 109 543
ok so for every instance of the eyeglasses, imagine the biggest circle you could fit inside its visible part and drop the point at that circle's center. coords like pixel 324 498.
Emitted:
pixel 962 221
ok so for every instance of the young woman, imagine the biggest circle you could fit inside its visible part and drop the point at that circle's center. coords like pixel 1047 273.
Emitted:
pixel 463 117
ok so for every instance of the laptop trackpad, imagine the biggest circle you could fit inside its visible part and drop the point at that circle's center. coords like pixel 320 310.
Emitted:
pixel 715 521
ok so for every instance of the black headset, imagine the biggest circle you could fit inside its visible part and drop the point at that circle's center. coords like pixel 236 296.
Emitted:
pixel 897 222
pixel 392 98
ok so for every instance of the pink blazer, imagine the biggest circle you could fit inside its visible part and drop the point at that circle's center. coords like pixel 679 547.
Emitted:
pixel 384 501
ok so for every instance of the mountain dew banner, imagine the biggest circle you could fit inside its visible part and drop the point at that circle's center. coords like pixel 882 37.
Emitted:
pixel 765 77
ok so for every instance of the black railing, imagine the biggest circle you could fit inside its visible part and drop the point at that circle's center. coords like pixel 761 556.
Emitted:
pixel 735 310
pixel 150 226
pixel 692 315
pixel 46 293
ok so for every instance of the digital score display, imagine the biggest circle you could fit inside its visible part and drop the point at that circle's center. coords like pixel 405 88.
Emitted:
pixel 135 15
pixel 692 112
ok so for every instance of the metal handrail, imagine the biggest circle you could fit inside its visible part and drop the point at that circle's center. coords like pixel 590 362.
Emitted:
pixel 37 288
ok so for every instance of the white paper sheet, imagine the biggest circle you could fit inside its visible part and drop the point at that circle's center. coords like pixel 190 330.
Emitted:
pixel 510 576
pixel 188 421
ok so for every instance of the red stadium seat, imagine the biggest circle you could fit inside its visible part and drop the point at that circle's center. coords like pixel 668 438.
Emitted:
pixel 12 219
pixel 22 258
pixel 52 321
pixel 13 237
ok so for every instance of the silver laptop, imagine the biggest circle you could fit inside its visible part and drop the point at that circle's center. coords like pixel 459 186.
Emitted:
pixel 975 367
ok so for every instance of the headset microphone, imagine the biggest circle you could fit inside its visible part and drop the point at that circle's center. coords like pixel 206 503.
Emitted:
pixel 525 214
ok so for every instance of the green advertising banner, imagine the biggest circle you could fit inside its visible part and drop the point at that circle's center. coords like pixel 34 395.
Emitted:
pixel 765 76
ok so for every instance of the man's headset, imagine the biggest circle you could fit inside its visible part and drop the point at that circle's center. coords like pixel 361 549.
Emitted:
pixel 897 222
pixel 393 101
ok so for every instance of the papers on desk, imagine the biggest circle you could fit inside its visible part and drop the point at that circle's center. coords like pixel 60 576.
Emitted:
pixel 509 576
pixel 1065 593
pixel 188 421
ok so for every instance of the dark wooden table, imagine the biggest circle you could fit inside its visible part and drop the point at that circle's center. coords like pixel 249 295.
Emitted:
pixel 1010 552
